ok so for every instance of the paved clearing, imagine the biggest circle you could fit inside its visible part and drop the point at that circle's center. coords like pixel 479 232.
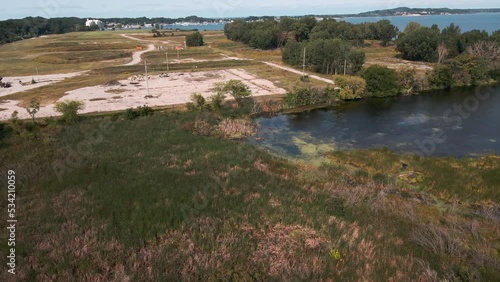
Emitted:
pixel 173 90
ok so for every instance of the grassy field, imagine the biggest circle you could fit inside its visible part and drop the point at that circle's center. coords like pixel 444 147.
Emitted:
pixel 20 58
pixel 95 205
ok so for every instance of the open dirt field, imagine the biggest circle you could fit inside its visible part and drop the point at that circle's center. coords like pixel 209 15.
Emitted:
pixel 173 90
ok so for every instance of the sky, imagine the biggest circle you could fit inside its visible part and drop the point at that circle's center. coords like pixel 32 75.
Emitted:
pixel 216 8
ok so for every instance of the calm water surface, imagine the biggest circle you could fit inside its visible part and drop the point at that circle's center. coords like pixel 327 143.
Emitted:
pixel 442 123
pixel 487 21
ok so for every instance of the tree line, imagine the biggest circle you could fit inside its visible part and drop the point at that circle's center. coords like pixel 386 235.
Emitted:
pixel 14 30
pixel 467 58
pixel 270 34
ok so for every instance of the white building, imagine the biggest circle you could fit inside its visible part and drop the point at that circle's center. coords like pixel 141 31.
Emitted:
pixel 99 23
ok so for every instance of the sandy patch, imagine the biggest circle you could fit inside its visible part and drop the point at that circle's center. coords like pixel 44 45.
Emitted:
pixel 41 80
pixel 397 64
pixel 173 90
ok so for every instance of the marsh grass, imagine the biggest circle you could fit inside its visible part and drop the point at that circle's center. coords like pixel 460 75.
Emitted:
pixel 469 179
pixel 155 202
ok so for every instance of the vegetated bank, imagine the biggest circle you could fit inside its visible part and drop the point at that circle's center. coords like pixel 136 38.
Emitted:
pixel 168 192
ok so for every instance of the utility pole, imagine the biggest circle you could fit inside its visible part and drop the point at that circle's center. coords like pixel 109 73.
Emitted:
pixel 166 54
pixel 304 64
pixel 147 79
pixel 345 67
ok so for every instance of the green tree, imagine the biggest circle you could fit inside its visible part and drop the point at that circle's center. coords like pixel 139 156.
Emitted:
pixel 441 77
pixel 216 101
pixel 235 88
pixel 198 102
pixel 469 70
pixel 303 27
pixel 451 36
pixel 411 27
pixel 495 36
pixel 265 38
pixel 285 27
pixel 33 108
pixel 470 37
pixel 407 79
pixel 385 31
pixel 381 81
pixel 194 39
pixel 356 61
pixel 292 53
pixel 419 45
pixel 69 110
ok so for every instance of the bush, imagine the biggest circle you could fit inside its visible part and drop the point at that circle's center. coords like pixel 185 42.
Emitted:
pixel 143 111
pixel 198 102
pixel 306 96
pixel 69 110
pixel 236 88
pixel 381 81
pixel 194 39
pixel 469 70
pixel 352 87
pixel 441 77
pixel 216 101
pixel 130 114
pixel 419 45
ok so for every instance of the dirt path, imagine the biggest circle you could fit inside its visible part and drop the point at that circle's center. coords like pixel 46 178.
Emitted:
pixel 136 57
pixel 299 72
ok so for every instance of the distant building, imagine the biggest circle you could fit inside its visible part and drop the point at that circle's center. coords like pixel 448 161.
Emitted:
pixel 99 23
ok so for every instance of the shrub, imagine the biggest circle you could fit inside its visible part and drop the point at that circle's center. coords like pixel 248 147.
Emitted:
pixel 33 108
pixel 130 114
pixel 352 87
pixel 419 45
pixel 194 39
pixel 69 110
pixel 381 81
pixel 145 111
pixel 198 102
pixel 216 101
pixel 441 77
pixel 306 96
pixel 235 88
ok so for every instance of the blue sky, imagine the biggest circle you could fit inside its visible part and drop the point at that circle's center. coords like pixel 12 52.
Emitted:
pixel 215 8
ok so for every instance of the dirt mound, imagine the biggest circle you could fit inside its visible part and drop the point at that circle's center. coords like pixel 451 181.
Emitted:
pixel 112 83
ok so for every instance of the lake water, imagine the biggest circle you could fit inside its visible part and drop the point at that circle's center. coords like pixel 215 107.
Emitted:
pixel 200 27
pixel 460 122
pixel 487 21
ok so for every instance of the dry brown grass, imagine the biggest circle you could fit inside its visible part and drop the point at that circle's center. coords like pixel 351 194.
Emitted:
pixel 236 128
